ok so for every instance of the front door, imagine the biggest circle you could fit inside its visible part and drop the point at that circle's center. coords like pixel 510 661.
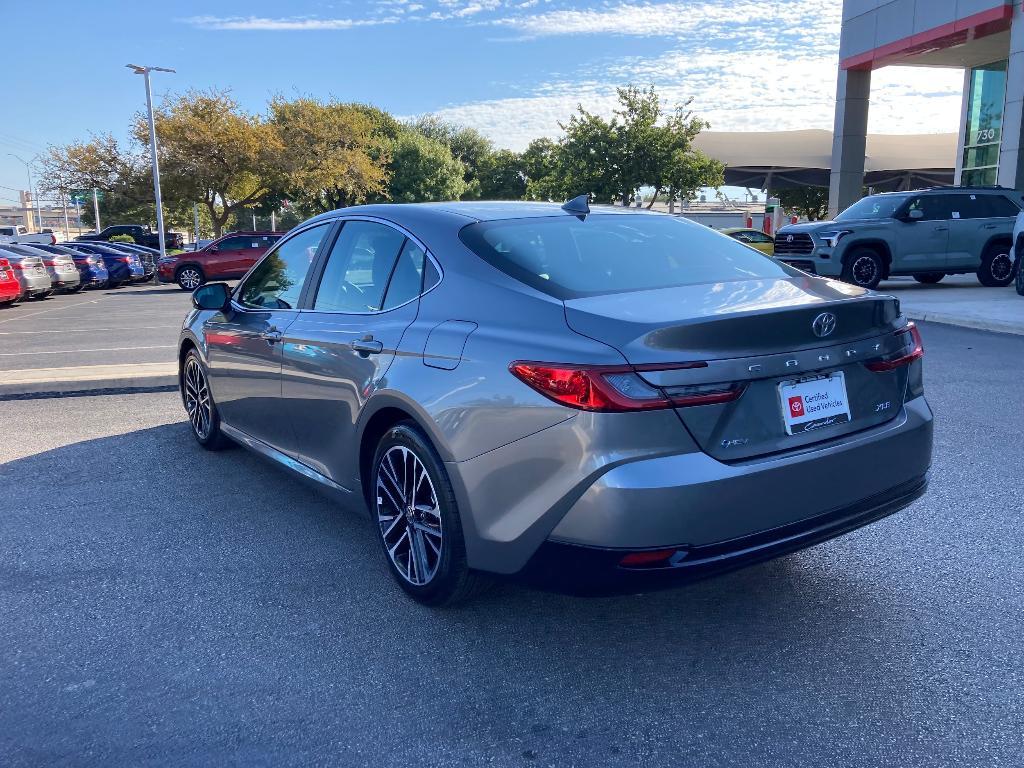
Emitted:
pixel 923 243
pixel 244 346
pixel 338 352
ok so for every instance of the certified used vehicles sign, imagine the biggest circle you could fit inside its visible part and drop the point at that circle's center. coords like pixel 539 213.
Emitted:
pixel 814 403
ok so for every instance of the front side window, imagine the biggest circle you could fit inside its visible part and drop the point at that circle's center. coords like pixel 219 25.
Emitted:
pixel 277 280
pixel 932 207
pixel 604 253
pixel 231 243
pixel 359 268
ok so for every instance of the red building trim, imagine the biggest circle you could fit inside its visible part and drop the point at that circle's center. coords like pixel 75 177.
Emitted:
pixel 977 25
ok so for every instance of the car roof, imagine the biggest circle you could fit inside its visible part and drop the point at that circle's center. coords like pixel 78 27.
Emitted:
pixel 476 210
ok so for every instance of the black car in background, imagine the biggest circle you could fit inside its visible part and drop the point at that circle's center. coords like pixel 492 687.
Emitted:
pixel 142 235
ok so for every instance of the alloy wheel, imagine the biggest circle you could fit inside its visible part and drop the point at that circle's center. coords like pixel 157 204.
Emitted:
pixel 189 279
pixel 408 515
pixel 197 399
pixel 1001 267
pixel 864 270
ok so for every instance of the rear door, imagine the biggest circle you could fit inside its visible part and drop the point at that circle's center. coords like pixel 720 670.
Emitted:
pixel 970 227
pixel 244 345
pixel 922 244
pixel 339 349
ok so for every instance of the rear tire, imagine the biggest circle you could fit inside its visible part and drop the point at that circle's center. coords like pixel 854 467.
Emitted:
pixel 864 268
pixel 929 278
pixel 417 520
pixel 997 267
pixel 189 277
pixel 203 416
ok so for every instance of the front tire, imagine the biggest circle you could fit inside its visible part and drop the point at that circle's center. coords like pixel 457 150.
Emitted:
pixel 202 411
pixel 997 268
pixel 189 277
pixel 929 278
pixel 417 520
pixel 863 268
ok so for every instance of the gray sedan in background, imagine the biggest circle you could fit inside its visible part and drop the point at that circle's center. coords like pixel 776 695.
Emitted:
pixel 594 400
pixel 31 271
pixel 59 266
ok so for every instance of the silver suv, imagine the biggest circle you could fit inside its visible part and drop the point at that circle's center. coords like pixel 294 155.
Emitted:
pixel 928 234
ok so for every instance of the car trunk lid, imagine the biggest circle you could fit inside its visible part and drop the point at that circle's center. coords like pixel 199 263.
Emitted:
pixel 759 337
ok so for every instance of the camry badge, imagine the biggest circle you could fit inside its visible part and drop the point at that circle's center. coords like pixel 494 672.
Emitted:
pixel 824 324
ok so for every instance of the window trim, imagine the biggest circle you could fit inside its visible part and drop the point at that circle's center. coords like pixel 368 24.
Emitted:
pixel 236 304
pixel 306 305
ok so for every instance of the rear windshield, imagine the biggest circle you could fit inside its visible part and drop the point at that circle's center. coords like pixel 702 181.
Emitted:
pixel 568 258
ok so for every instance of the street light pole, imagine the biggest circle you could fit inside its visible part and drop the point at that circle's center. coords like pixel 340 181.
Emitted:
pixel 144 71
pixel 31 190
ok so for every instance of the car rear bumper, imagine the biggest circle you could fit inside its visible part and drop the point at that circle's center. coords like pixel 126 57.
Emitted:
pixel 586 570
pixel 684 499
pixel 35 284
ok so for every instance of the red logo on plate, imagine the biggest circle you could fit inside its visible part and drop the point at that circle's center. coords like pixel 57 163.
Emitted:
pixel 796 407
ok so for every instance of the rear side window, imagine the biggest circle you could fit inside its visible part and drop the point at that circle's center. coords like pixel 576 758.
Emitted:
pixel 569 258
pixel 999 206
pixel 277 280
pixel 359 268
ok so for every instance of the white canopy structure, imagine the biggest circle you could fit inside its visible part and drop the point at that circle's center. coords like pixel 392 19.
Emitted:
pixel 785 159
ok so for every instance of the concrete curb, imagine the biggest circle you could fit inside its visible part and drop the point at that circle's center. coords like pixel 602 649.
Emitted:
pixel 86 378
pixel 976 323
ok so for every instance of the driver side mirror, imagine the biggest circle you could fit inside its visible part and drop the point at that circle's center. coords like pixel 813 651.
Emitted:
pixel 214 296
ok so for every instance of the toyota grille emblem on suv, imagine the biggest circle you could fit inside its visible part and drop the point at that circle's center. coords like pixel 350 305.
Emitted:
pixel 789 238
pixel 824 324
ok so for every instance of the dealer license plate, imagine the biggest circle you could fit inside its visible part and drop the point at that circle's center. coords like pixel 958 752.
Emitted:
pixel 814 403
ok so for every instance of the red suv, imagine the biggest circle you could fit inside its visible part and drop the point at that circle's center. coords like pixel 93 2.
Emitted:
pixel 228 257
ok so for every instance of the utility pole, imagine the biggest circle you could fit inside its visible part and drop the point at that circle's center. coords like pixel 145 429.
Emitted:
pixel 96 208
pixel 195 217
pixel 31 190
pixel 64 204
pixel 144 71
pixel 254 222
pixel 273 222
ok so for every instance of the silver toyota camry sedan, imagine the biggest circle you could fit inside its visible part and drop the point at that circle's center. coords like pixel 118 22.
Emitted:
pixel 593 400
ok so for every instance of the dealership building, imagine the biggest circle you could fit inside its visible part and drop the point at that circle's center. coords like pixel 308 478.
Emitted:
pixel 983 37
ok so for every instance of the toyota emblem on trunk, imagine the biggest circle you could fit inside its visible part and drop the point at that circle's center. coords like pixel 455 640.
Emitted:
pixel 824 324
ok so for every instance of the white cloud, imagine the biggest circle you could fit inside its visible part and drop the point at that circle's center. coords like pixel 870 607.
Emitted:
pixel 293 24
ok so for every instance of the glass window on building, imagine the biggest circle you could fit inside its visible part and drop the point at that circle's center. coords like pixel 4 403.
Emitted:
pixel 984 125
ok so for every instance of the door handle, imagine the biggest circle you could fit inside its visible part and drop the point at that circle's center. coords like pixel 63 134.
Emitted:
pixel 942 229
pixel 271 335
pixel 367 347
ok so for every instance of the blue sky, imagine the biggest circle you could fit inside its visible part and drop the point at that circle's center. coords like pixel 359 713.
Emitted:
pixel 512 68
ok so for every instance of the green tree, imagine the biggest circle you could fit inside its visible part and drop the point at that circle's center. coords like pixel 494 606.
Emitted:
pixel 423 170
pixel 587 159
pixel 467 145
pixel 811 202
pixel 213 153
pixel 540 166
pixel 330 153
pixel 502 176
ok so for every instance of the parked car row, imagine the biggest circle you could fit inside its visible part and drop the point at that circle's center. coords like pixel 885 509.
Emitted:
pixel 40 270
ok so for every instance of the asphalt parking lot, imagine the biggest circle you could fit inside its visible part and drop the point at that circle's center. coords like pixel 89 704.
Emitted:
pixel 166 606
pixel 136 324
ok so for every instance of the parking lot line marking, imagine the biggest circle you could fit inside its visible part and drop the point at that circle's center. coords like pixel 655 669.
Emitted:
pixel 67 351
pixel 46 311
pixel 91 330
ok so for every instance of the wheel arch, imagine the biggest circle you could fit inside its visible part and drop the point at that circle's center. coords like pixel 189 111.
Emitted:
pixel 999 240
pixel 382 412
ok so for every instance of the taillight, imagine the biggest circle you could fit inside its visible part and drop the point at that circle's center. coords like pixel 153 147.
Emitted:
pixel 912 349
pixel 53 239
pixel 125 259
pixel 50 262
pixel 614 389
pixel 5 264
